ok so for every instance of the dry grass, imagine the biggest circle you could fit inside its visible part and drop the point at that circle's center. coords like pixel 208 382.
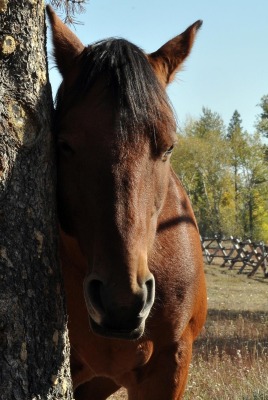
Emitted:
pixel 230 360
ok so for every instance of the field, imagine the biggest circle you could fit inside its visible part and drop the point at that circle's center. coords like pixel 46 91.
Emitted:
pixel 230 359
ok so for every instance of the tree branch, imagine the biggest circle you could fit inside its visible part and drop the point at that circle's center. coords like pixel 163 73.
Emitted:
pixel 69 8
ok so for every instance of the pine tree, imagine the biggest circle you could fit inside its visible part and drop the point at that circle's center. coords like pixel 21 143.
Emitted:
pixel 236 144
pixel 235 125
pixel 209 122
pixel 262 120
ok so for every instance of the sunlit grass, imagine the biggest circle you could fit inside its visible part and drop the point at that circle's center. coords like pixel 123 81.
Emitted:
pixel 231 360
pixel 231 357
pixel 224 377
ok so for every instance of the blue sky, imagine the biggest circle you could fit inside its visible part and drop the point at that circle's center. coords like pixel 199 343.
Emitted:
pixel 228 67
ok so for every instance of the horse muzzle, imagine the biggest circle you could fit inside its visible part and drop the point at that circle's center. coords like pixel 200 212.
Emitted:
pixel 118 315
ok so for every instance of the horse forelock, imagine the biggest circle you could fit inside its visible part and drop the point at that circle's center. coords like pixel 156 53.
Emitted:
pixel 140 101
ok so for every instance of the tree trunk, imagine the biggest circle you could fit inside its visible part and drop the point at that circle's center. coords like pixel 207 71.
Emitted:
pixel 34 350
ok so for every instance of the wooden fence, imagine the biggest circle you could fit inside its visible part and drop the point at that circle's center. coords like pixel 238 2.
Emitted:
pixel 232 252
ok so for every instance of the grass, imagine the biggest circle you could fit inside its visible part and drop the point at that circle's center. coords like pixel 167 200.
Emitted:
pixel 230 360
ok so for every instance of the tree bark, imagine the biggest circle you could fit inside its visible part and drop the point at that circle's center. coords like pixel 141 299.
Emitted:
pixel 34 349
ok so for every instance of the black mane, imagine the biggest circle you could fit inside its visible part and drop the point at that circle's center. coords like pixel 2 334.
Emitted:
pixel 140 100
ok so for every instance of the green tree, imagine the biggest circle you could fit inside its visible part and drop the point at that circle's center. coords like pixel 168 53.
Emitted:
pixel 225 176
pixel 237 144
pixel 210 122
pixel 262 120
pixel 200 161
pixel 235 125
pixel 254 193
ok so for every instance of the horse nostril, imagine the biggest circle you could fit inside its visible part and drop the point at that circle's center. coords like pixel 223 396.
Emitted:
pixel 94 292
pixel 150 286
pixel 118 308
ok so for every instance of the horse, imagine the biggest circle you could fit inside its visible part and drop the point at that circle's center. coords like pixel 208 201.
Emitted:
pixel 129 243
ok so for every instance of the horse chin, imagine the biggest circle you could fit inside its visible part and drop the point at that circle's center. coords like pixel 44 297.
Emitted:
pixel 108 332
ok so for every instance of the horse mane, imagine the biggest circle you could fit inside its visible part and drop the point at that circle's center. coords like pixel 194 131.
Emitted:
pixel 140 100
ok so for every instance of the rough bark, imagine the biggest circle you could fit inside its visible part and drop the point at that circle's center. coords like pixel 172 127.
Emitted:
pixel 34 351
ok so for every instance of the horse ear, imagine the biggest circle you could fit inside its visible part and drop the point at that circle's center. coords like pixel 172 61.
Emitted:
pixel 167 60
pixel 67 46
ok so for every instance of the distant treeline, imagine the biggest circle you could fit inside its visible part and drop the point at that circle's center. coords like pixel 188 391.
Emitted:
pixel 225 172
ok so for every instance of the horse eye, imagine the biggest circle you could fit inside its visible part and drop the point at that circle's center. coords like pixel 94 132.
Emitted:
pixel 66 148
pixel 167 153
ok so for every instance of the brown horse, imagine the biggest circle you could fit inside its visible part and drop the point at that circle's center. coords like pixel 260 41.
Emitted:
pixel 130 248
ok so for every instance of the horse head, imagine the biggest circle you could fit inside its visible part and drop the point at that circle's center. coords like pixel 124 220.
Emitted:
pixel 115 134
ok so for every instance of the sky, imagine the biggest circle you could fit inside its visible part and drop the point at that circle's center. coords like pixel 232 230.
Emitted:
pixel 228 67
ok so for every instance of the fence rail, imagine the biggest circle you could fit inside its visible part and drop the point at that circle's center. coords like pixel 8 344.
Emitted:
pixel 233 252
